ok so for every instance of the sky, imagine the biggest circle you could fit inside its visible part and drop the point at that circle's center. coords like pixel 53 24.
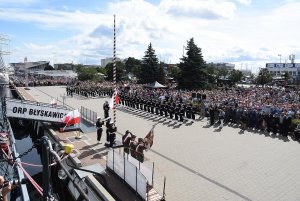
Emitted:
pixel 247 33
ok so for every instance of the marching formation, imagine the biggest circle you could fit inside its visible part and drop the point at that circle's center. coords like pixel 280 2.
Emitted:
pixel 265 109
pixel 89 89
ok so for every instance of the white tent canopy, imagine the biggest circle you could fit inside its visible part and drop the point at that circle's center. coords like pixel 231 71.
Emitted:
pixel 155 85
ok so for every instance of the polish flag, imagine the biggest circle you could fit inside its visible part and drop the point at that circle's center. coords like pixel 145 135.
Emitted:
pixel 53 102
pixel 149 138
pixel 114 97
pixel 72 118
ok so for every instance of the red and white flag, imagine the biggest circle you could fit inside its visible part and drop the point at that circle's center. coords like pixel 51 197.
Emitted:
pixel 114 97
pixel 72 118
pixel 53 102
pixel 149 138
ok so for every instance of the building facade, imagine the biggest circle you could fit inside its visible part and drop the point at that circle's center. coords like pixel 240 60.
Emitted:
pixel 225 66
pixel 31 67
pixel 278 69
pixel 65 66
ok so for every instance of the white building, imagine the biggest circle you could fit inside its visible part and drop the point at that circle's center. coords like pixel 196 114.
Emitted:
pixel 278 69
pixel 107 60
pixel 225 66
pixel 30 66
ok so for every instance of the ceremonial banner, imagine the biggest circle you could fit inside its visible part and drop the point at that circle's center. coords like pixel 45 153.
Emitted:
pixel 149 138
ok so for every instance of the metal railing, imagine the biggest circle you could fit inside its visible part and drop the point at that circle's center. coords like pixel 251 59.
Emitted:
pixel 88 115
pixel 141 177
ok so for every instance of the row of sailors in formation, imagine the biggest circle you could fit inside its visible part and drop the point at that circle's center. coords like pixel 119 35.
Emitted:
pixel 89 92
pixel 165 108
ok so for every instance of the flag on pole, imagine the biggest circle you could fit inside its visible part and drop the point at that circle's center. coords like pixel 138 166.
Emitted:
pixel 53 102
pixel 72 118
pixel 114 97
pixel 149 138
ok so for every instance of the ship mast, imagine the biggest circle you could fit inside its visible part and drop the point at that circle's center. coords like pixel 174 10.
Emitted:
pixel 3 41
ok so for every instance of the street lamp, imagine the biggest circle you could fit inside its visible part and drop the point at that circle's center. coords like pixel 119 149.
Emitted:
pixel 279 57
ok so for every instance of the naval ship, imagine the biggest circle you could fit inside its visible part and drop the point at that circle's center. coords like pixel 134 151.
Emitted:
pixel 8 156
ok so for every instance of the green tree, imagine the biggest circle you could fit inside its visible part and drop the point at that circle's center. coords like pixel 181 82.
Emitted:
pixel 286 76
pixel 235 76
pixel 174 72
pixel 78 67
pixel 151 71
pixel 160 74
pixel 119 71
pixel 136 70
pixel 192 68
pixel 264 77
pixel 102 70
pixel 86 73
pixel 221 72
pixel 131 64
pixel 211 72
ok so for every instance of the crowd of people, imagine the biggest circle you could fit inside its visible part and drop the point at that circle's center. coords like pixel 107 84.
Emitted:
pixel 267 109
pixel 20 81
pixel 89 89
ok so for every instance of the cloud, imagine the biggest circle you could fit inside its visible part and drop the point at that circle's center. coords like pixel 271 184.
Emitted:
pixel 206 9
pixel 53 19
pixel 18 2
pixel 219 27
pixel 246 2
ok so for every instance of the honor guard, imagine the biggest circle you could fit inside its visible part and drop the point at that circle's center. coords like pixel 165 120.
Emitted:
pixel 193 112
pixel 188 111
pixel 112 134
pixel 166 108
pixel 107 124
pixel 172 110
pixel 161 109
pixel 106 109
pixel 148 105
pixel 176 111
pixel 126 141
pixel 181 113
pixel 152 105
pixel 157 107
pixel 133 144
pixel 99 125
pixel 139 150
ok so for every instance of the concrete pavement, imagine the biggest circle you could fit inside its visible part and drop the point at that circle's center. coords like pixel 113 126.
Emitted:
pixel 205 163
